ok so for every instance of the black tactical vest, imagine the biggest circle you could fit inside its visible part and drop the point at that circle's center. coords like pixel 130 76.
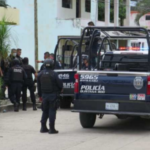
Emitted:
pixel 17 74
pixel 27 69
pixel 47 83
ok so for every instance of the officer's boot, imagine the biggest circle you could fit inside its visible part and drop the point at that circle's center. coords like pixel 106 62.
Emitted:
pixel 34 107
pixel 52 128
pixel 44 128
pixel 16 107
pixel 24 107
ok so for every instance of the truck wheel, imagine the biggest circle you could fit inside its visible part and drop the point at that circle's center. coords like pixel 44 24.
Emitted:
pixel 65 102
pixel 87 120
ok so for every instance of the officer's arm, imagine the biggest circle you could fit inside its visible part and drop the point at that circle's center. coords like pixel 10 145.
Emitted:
pixel 40 61
pixel 59 82
pixel 1 73
pixel 2 65
pixel 8 77
pixel 39 85
pixel 35 73
pixel 24 75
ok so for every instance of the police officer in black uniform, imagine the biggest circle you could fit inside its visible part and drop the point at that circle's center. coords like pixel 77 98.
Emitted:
pixel 47 55
pixel 85 64
pixel 16 77
pixel 18 56
pixel 29 84
pixel 5 66
pixel 95 44
pixel 50 86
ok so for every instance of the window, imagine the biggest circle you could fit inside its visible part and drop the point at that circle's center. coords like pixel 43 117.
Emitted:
pixel 67 3
pixel 147 17
pixel 88 5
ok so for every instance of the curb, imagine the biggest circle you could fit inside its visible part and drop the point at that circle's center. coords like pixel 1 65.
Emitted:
pixel 10 107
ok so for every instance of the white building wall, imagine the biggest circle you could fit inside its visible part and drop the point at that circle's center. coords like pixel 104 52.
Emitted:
pixel 23 34
pixel 66 13
pixel 143 22
pixel 84 14
pixel 50 26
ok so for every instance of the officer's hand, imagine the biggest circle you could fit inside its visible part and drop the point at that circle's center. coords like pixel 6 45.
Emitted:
pixel 35 81
pixel 38 61
pixel 62 90
pixel 40 99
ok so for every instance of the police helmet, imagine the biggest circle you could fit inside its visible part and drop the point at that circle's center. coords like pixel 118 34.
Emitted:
pixel 15 62
pixel 49 63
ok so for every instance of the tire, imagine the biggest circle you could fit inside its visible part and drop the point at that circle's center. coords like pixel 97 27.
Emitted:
pixel 65 102
pixel 87 120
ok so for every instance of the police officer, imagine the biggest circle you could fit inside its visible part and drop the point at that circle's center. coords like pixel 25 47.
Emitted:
pixel 57 63
pixel 47 55
pixel 50 86
pixel 95 45
pixel 18 56
pixel 16 77
pixel 5 65
pixel 28 84
pixel 85 63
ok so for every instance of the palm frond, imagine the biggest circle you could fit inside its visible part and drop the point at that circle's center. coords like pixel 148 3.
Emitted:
pixel 4 39
pixel 3 4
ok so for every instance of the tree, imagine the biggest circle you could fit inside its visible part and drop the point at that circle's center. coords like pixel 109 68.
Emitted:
pixel 4 45
pixel 122 11
pixel 4 39
pixel 143 7
pixel 3 3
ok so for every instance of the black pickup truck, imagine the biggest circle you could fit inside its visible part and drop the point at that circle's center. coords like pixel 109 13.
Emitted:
pixel 120 83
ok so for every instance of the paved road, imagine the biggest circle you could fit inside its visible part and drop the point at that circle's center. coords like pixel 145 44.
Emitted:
pixel 20 131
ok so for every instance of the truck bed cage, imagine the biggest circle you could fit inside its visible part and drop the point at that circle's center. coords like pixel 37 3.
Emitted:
pixel 108 36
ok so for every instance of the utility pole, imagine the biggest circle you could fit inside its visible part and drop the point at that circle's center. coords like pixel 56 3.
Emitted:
pixel 36 32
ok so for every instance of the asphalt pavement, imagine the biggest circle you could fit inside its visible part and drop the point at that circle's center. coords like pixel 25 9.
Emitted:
pixel 20 131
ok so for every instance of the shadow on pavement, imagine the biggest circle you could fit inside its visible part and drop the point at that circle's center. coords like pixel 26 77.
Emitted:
pixel 127 126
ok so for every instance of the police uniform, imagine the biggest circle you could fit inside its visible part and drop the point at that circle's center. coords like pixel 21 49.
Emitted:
pixel 16 77
pixel 28 84
pixel 94 47
pixel 19 59
pixel 5 65
pixel 50 86
pixel 57 65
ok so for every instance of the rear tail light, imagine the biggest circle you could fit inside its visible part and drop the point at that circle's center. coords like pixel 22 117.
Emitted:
pixel 148 85
pixel 76 85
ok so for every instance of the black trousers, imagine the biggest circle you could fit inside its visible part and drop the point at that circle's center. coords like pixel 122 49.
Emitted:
pixel 3 87
pixel 15 90
pixel 48 111
pixel 32 95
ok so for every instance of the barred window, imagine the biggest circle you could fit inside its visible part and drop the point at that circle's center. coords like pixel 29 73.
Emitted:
pixel 88 5
pixel 67 3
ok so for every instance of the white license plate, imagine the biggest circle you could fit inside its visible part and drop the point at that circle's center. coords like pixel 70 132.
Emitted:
pixel 112 106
